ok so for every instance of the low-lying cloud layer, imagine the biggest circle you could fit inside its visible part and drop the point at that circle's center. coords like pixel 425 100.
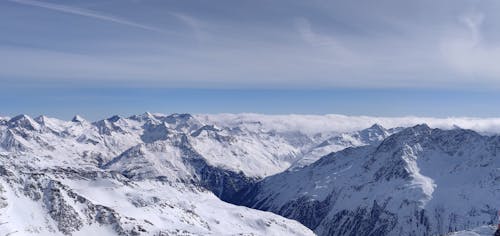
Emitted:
pixel 341 123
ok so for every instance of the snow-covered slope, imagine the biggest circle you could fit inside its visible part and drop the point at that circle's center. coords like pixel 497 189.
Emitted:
pixel 420 181
pixel 486 230
pixel 84 202
pixel 256 154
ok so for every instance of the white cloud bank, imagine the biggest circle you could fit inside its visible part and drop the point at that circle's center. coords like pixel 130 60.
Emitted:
pixel 342 123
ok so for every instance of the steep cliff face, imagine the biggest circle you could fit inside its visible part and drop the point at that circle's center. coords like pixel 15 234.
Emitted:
pixel 420 181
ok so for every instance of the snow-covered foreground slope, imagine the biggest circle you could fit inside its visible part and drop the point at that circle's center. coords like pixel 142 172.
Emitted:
pixel 479 231
pixel 420 181
pixel 84 202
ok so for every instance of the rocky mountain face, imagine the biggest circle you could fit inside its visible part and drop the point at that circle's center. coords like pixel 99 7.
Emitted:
pixel 419 181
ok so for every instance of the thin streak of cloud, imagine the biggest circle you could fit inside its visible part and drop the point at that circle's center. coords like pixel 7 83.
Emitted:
pixel 310 36
pixel 88 13
pixel 337 52
pixel 193 23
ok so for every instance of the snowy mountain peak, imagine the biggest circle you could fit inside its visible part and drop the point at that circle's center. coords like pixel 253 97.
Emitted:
pixel 78 119
pixel 413 133
pixel 420 129
pixel 374 133
pixel 183 122
pixel 205 128
pixel 377 127
pixel 423 135
pixel 4 120
pixel 51 124
pixel 41 119
pixel 336 142
pixel 23 121
pixel 110 125
pixel 145 117
pixel 180 116
pixel 114 118
pixel 179 119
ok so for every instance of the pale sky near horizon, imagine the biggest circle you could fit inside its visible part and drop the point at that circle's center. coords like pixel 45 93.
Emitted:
pixel 388 57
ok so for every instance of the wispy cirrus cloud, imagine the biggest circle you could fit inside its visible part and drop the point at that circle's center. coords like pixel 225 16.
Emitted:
pixel 194 24
pixel 340 54
pixel 230 44
pixel 88 13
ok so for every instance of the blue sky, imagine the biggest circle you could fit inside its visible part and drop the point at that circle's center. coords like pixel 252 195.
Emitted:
pixel 97 103
pixel 382 58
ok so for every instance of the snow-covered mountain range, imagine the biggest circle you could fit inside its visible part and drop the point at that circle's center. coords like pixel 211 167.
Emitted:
pixel 142 175
pixel 182 174
pixel 419 181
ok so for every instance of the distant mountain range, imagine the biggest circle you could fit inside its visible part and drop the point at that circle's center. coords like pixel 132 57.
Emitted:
pixel 182 174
